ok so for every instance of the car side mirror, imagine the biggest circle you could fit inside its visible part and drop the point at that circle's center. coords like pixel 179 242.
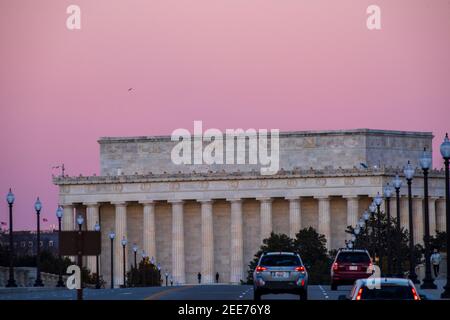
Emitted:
pixel 342 297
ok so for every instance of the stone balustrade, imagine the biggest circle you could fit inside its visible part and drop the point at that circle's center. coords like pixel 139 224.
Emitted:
pixel 25 277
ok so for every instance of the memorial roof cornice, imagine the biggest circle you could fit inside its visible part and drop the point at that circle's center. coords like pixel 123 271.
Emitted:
pixel 223 175
pixel 365 131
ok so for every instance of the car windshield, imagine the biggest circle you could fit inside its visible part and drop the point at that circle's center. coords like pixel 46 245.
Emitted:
pixel 353 257
pixel 391 292
pixel 280 260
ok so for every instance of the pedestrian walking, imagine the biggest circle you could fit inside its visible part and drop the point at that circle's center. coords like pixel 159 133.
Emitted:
pixel 217 277
pixel 436 261
pixel 199 277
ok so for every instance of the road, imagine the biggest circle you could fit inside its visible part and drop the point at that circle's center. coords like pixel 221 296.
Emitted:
pixel 194 292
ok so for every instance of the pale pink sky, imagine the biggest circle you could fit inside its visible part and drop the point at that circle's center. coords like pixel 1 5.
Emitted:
pixel 290 64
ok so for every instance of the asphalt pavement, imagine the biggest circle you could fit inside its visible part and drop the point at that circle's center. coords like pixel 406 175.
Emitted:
pixel 188 292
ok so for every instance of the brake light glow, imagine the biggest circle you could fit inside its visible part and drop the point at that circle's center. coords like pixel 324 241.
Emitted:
pixel 358 296
pixel 260 269
pixel 300 269
pixel 416 296
pixel 335 266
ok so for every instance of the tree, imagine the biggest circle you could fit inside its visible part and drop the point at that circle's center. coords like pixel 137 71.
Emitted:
pixel 145 275
pixel 380 240
pixel 308 243
pixel 312 248
pixel 439 241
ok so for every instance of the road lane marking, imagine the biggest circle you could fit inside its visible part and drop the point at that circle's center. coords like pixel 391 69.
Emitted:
pixel 324 292
pixel 160 294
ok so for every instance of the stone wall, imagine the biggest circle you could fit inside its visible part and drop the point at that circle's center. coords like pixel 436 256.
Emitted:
pixel 316 149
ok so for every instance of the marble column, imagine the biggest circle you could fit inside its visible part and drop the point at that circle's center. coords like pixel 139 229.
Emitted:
pixel 440 215
pixel 68 218
pixel 92 217
pixel 432 215
pixel 295 216
pixel 178 262
pixel 121 233
pixel 149 231
pixel 404 214
pixel 352 212
pixel 418 220
pixel 324 218
pixel 265 217
pixel 67 223
pixel 207 242
pixel 237 242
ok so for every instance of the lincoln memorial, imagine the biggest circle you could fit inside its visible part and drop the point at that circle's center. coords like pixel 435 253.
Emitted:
pixel 212 218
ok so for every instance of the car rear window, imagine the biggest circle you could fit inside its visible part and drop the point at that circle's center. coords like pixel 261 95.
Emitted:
pixel 353 257
pixel 280 260
pixel 390 292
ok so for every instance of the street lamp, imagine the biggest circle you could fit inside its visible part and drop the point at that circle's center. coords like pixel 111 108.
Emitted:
pixel 366 215
pixel 159 274
pixel 425 163
pixel 10 199
pixel 38 208
pixel 372 209
pixel 445 152
pixel 397 182
pixel 361 223
pixel 124 244
pixel 80 221
pixel 409 174
pixel 112 235
pixel 97 269
pixel 378 200
pixel 135 249
pixel 387 191
pixel 59 214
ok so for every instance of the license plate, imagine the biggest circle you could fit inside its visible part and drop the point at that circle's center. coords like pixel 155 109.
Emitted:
pixel 353 268
pixel 280 274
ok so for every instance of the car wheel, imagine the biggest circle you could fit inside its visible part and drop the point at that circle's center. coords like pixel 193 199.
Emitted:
pixel 257 295
pixel 334 286
pixel 304 295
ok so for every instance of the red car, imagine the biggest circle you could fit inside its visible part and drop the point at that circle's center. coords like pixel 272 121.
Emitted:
pixel 349 266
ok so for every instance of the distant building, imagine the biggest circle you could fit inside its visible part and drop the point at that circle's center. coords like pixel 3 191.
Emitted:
pixel 25 242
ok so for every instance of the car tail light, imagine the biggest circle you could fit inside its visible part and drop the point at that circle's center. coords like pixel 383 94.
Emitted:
pixel 335 266
pixel 416 296
pixel 300 269
pixel 358 296
pixel 260 269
